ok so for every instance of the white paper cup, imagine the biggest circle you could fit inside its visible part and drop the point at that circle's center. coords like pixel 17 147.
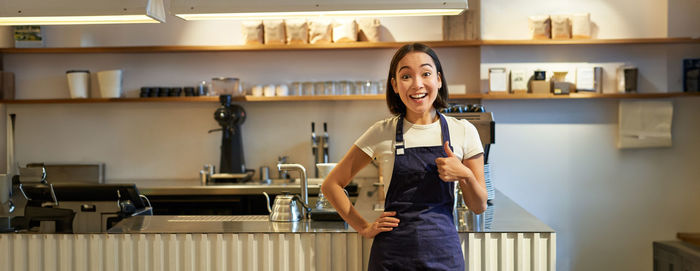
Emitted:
pixel 110 83
pixel 281 90
pixel 324 169
pixel 269 91
pixel 257 91
pixel 78 83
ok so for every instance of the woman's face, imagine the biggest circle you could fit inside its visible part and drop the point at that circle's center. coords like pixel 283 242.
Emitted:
pixel 417 82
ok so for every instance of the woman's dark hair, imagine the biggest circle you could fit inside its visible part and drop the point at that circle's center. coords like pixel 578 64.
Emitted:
pixel 393 100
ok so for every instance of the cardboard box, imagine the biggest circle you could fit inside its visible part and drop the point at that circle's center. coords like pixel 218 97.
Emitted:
pixel 541 86
pixel 7 85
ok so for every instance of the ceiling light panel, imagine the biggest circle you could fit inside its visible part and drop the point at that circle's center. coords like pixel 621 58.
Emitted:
pixel 265 9
pixel 51 12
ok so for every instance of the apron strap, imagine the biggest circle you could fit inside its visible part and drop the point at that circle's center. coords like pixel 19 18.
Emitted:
pixel 445 131
pixel 399 145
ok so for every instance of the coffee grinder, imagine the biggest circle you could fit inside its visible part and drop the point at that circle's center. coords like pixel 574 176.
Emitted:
pixel 232 164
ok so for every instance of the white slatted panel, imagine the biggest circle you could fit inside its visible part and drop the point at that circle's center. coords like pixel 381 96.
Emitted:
pixel 251 251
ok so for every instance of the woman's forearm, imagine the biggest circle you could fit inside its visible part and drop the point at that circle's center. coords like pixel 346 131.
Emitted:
pixel 474 185
pixel 474 194
pixel 339 177
pixel 336 196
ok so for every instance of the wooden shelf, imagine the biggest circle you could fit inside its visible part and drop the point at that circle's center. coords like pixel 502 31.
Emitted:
pixel 591 41
pixel 117 100
pixel 332 46
pixel 578 95
pixel 380 97
pixel 197 99
pixel 282 47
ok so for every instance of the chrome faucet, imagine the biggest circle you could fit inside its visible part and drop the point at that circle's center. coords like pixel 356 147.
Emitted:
pixel 283 174
pixel 303 181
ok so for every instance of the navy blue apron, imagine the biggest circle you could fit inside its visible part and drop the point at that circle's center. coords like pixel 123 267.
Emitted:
pixel 426 238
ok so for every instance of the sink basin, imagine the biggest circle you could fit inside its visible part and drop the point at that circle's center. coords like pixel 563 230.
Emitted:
pixel 311 181
pixel 218 218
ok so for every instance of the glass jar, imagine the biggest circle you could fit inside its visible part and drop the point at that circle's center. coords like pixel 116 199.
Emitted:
pixel 373 87
pixel 381 86
pixel 319 88
pixel 295 89
pixel 202 89
pixel 226 86
pixel 308 88
pixel 345 88
pixel 329 88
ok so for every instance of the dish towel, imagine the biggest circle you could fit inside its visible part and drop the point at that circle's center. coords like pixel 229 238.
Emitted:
pixel 644 124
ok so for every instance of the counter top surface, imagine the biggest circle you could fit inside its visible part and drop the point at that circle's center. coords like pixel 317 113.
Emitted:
pixel 193 188
pixel 503 216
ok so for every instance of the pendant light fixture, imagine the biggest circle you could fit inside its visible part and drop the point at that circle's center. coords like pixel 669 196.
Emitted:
pixel 281 9
pixel 68 12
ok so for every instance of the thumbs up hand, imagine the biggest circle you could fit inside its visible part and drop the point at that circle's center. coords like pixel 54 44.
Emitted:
pixel 451 168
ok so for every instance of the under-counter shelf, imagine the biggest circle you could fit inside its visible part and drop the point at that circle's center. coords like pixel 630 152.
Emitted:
pixel 331 46
pixel 379 97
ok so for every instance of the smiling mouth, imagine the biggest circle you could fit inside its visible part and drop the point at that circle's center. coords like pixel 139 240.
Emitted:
pixel 418 96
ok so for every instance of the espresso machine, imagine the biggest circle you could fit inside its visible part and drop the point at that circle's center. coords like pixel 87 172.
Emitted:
pixel 29 202
pixel 486 127
pixel 232 164
pixel 40 206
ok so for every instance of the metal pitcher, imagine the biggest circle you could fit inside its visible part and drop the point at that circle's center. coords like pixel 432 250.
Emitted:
pixel 287 208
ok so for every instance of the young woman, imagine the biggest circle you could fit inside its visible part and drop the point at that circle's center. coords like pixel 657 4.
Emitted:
pixel 425 154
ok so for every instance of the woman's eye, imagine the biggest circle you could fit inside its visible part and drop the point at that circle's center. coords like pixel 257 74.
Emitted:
pixel 426 74
pixel 405 76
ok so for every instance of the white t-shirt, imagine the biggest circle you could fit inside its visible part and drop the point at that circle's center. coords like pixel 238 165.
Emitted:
pixel 378 141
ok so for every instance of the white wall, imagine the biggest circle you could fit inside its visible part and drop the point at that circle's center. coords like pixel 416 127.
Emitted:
pixel 683 19
pixel 556 158
pixel 506 19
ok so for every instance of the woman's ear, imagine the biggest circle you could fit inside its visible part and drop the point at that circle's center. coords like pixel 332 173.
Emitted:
pixel 439 80
pixel 393 85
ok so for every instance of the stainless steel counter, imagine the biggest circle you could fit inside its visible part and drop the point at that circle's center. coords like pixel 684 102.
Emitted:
pixel 503 216
pixel 194 188
pixel 234 189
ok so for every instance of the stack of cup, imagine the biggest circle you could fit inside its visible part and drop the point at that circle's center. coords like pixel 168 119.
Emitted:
pixel 269 90
pixel 78 83
pixel 110 83
pixel 281 90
